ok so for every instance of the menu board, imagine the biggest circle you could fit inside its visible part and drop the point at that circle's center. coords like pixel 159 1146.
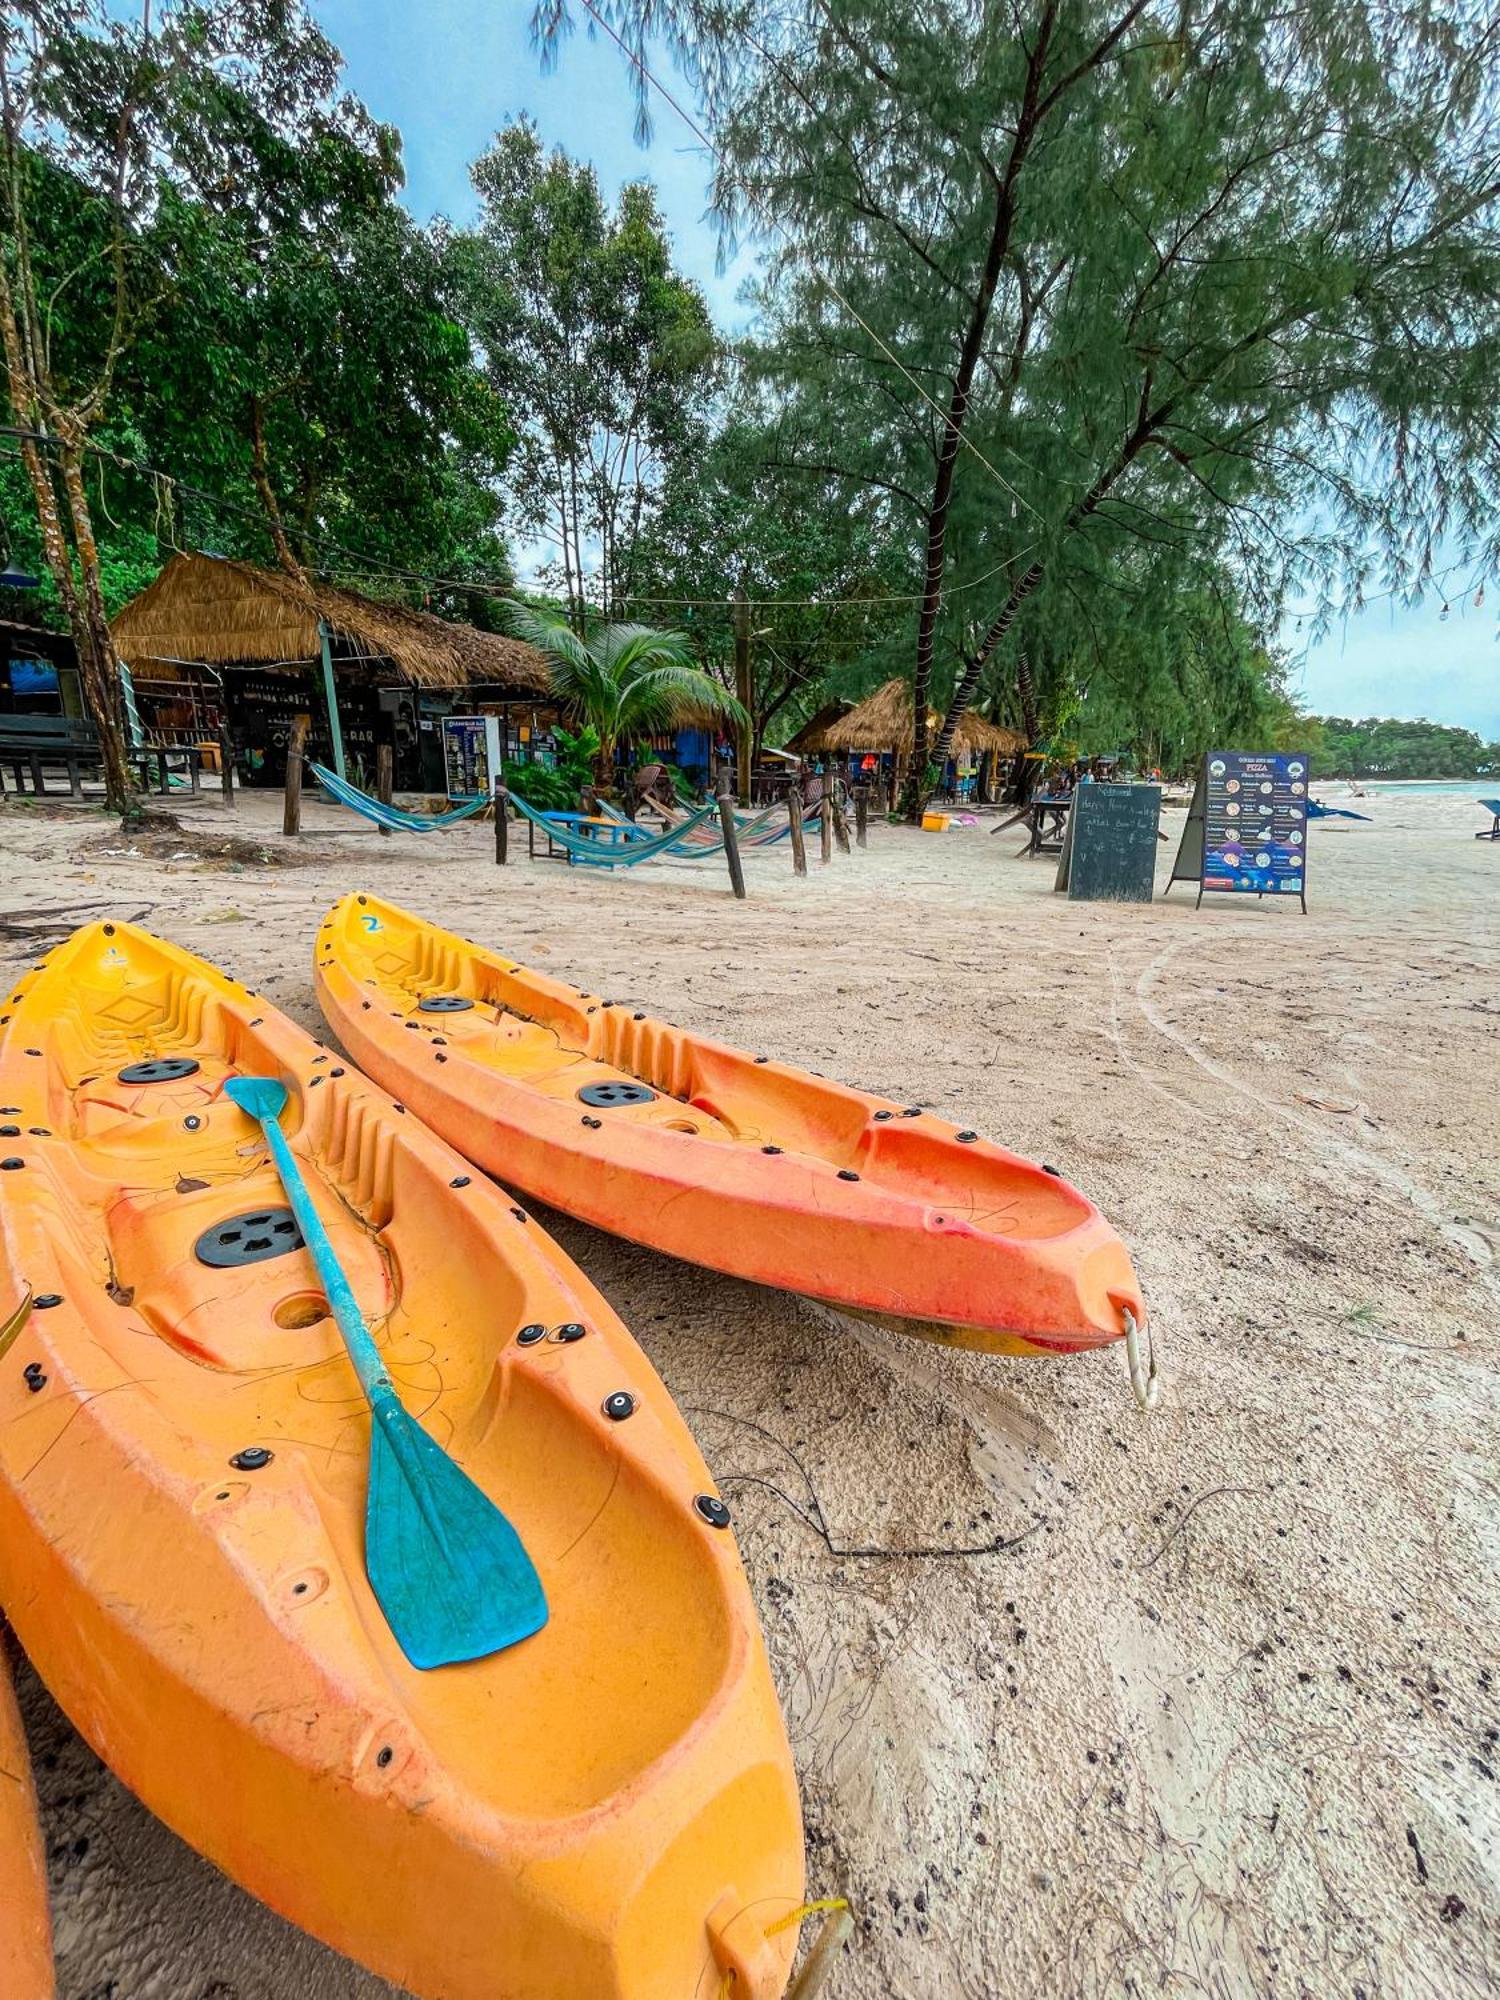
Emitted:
pixel 1255 823
pixel 471 755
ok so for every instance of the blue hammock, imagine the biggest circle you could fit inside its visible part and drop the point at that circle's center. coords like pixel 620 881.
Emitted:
pixel 611 851
pixel 752 830
pixel 344 794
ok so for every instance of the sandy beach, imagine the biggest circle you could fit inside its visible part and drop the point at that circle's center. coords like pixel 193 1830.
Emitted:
pixel 1082 1702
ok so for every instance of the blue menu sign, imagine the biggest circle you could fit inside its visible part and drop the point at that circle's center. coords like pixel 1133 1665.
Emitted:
pixel 1255 824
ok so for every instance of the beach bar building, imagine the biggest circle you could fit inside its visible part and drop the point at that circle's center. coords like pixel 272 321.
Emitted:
pixel 216 643
pixel 879 734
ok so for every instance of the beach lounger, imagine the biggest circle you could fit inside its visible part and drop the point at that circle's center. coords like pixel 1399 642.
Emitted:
pixel 1492 807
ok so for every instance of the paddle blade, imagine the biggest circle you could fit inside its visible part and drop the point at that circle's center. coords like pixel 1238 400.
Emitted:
pixel 447 1567
pixel 261 1096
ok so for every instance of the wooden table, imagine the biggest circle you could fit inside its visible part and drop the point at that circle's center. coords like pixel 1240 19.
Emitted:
pixel 1047 821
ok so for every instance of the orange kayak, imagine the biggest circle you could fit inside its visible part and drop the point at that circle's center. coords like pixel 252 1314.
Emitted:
pixel 607 1808
pixel 25 1934
pixel 722 1158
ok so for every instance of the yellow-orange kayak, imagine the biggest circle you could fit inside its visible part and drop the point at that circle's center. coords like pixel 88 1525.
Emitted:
pixel 605 1809
pixel 729 1160
pixel 25 1934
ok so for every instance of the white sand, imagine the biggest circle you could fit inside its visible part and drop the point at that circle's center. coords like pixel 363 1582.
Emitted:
pixel 1222 1720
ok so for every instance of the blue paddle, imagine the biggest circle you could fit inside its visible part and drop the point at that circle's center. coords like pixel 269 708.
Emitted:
pixel 448 1569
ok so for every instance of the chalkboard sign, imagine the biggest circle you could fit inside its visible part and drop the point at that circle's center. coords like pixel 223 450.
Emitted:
pixel 1109 853
pixel 1247 826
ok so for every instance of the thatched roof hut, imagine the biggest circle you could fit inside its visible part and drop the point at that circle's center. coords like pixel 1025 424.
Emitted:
pixel 883 721
pixel 229 614
pixel 810 739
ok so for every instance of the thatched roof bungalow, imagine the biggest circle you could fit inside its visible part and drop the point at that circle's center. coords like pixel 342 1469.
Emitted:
pixel 214 643
pixel 221 613
pixel 883 721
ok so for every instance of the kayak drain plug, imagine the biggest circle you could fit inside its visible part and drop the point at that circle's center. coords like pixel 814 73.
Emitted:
pixel 619 1406
pixel 33 1376
pixel 712 1510
pixel 254 1458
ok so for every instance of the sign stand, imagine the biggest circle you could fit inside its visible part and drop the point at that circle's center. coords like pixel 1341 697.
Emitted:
pixel 1246 831
pixel 1188 867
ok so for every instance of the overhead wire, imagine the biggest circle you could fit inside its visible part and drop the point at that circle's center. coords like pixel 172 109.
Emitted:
pixel 480 586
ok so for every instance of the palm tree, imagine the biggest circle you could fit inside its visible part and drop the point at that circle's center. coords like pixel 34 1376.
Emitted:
pixel 625 680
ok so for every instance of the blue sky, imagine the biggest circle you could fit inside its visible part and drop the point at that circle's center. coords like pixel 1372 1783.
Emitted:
pixel 450 72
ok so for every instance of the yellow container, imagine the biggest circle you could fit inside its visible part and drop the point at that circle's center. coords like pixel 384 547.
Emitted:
pixel 934 822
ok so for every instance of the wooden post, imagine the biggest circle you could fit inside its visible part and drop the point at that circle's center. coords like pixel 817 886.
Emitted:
pixel 331 696
pixel 840 823
pixel 745 691
pixel 502 824
pixel 385 770
pixel 861 814
pixel 731 836
pixel 226 765
pixel 291 812
pixel 794 814
pixel 825 825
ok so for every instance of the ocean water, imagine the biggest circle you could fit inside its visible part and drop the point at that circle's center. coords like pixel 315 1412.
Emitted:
pixel 1463 788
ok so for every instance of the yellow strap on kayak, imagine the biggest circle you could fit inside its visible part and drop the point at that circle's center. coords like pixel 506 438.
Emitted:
pixel 807 1910
pixel 797 1916
pixel 10 1329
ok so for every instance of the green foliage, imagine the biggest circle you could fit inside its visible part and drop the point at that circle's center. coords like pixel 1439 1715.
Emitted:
pixel 1201 283
pixel 622 680
pixel 541 786
pixel 245 301
pixel 558 787
pixel 1390 749
pixel 820 575
pixel 603 352
pixel 577 755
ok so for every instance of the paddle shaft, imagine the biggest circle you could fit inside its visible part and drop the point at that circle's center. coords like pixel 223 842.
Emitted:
pixel 363 1352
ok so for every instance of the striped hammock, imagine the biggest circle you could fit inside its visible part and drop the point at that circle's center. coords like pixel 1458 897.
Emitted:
pixel 344 794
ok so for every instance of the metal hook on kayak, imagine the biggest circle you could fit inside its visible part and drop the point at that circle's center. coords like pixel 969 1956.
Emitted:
pixel 1145 1382
pixel 823 1957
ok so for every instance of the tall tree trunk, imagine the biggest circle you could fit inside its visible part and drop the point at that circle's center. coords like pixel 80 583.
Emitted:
pixel 958 410
pixel 97 662
pixel 1139 437
pixel 87 624
pixel 260 473
pixel 1026 690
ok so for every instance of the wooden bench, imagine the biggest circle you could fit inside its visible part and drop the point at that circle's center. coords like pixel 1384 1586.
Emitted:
pixel 31 743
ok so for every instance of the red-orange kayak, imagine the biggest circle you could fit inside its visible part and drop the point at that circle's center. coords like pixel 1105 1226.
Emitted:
pixel 607 1808
pixel 25 1935
pixel 728 1160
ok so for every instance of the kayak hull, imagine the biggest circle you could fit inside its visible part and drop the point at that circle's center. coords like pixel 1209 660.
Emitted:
pixel 183 1468
pixel 719 1157
pixel 25 1933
